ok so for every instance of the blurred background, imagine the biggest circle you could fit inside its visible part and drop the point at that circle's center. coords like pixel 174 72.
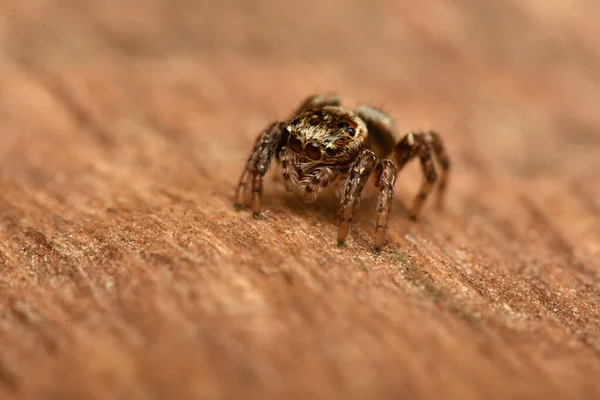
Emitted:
pixel 124 126
pixel 531 69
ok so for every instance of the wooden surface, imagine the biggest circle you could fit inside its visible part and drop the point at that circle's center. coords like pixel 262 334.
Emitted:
pixel 125 272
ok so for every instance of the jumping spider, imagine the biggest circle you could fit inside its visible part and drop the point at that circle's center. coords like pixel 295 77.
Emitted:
pixel 323 143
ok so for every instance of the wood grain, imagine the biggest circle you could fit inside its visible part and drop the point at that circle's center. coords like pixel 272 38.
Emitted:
pixel 125 272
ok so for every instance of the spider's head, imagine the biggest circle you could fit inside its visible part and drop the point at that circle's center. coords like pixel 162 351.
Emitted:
pixel 329 135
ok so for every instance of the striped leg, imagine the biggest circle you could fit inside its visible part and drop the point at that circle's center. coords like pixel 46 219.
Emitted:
pixel 435 142
pixel 357 177
pixel 411 146
pixel 386 181
pixel 257 166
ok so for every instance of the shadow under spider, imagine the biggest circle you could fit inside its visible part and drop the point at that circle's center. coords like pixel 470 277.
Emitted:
pixel 325 209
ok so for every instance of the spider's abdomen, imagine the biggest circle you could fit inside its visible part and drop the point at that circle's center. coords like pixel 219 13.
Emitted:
pixel 381 130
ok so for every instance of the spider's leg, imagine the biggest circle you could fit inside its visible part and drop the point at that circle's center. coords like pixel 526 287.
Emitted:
pixel 435 142
pixel 318 101
pixel 358 174
pixel 257 166
pixel 414 145
pixel 385 182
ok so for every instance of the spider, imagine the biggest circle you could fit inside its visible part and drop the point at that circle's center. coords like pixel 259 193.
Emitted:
pixel 323 143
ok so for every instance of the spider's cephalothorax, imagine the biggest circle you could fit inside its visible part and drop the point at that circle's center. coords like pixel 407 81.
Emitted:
pixel 323 143
pixel 320 143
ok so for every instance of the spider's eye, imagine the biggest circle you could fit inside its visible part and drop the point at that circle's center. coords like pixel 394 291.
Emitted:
pixel 313 151
pixel 351 131
pixel 331 151
pixel 295 144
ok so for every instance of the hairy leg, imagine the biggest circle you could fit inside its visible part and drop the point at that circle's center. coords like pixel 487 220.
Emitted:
pixel 257 166
pixel 358 175
pixel 435 142
pixel 318 101
pixel 385 182
pixel 411 146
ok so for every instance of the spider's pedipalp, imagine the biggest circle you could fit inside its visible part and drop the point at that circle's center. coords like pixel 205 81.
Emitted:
pixel 312 184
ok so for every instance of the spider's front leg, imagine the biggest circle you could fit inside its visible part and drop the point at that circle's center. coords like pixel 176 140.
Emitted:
pixel 257 166
pixel 358 174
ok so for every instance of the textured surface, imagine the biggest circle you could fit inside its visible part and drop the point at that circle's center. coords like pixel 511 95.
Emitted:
pixel 126 273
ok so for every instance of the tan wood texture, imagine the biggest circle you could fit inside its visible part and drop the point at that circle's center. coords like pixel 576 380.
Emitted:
pixel 125 272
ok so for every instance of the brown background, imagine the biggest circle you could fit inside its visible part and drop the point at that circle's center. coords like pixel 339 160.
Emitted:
pixel 125 273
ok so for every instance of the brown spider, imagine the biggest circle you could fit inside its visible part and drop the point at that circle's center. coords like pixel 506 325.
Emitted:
pixel 322 143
